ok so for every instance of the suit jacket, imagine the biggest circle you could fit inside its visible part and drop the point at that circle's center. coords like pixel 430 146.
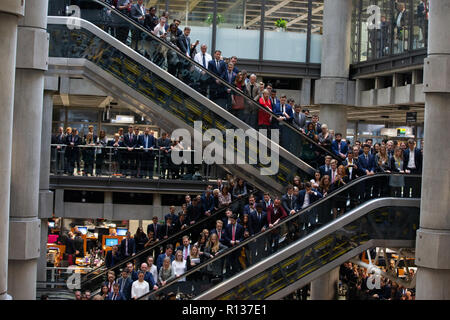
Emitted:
pixel 335 147
pixel 112 296
pixel 126 290
pixel 218 71
pixel 130 142
pixel 167 230
pixel 173 216
pixel 275 103
pixel 417 159
pixel 184 43
pixel 369 164
pixel 312 197
pixel 248 210
pixel 323 171
pixel 131 247
pixel 255 91
pixel 136 13
pixel 272 217
pixel 110 260
pixel 194 213
pixel 226 76
pixel 147 277
pixel 151 141
pixel 208 202
pixel 355 172
pixel 182 249
pixel 318 127
pixel 163 143
pixel 222 238
pixel 238 235
pixel 59 138
pixel 157 232
pixel 265 206
pixel 287 204
pixel 254 224
pixel 299 120
pixel 279 111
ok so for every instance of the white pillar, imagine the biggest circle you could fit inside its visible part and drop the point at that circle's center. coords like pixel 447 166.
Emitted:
pixel 325 287
pixel 25 233
pixel 433 237
pixel 9 18
pixel 333 91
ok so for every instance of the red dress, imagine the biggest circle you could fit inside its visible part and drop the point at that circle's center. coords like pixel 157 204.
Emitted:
pixel 264 117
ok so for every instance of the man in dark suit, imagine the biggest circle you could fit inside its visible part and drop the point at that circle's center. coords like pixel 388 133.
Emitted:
pixel 168 228
pixel 163 144
pixel 316 124
pixel 58 151
pixel 412 163
pixel 72 151
pixel 195 211
pixel 219 231
pixel 257 222
pixel 305 198
pixel 125 284
pixel 155 228
pixel 250 207
pixel 289 201
pixel 122 29
pixel 171 214
pixel 151 20
pixel 251 110
pixel 184 42
pixel 113 257
pixel 185 248
pixel 339 147
pixel 130 141
pixel 367 166
pixel 137 14
pixel 207 201
pixel 229 76
pixel 116 294
pixel 216 91
pixel 326 168
pixel 234 234
pixel 299 118
pixel 147 144
pixel 168 253
pixel 267 202
pixel 127 246
pixel 274 215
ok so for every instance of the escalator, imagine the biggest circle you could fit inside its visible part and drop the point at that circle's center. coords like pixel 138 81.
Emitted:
pixel 93 280
pixel 311 242
pixel 80 48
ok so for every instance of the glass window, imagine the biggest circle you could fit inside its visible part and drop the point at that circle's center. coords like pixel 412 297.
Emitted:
pixel 370 129
pixel 56 125
pixel 195 14
pixel 238 24
pixel 420 24
pixel 82 115
pixel 355 31
pixel 401 24
pixel 59 114
pixel 83 128
pixel 316 31
pixel 286 27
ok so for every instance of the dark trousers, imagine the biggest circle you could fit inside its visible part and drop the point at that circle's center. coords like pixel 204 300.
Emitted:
pixel 147 163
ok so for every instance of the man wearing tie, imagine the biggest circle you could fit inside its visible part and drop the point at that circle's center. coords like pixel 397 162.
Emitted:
pixel 137 14
pixel 333 172
pixel 155 228
pixel 267 203
pixel 127 246
pixel 219 231
pixel 257 223
pixel 289 201
pixel 116 294
pixel 274 215
pixel 185 248
pixel 234 234
pixel 130 142
pixel 125 284
pixel 251 110
pixel 367 166
pixel 184 42
pixel 203 58
pixel 339 147
pixel 216 91
pixel 299 118
pixel 147 143
pixel 326 168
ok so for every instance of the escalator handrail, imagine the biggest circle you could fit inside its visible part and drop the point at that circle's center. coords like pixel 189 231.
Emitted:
pixel 223 82
pixel 315 236
pixel 283 222
pixel 158 244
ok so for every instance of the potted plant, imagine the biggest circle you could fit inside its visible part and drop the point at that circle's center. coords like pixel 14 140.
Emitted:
pixel 219 19
pixel 281 25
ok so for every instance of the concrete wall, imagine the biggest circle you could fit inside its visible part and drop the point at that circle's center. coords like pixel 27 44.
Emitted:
pixel 410 94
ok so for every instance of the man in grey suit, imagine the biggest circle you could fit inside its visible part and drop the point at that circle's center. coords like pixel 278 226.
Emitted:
pixel 251 111
pixel 137 14
pixel 299 120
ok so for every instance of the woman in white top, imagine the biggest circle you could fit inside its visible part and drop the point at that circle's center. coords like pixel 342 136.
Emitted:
pixel 315 183
pixel 179 265
pixel 139 287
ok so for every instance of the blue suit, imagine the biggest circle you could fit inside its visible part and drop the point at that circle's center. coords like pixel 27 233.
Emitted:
pixel 335 147
pixel 368 164
pixel 226 76
pixel 126 290
pixel 323 171
pixel 310 215
pixel 255 225
pixel 238 235
pixel 119 296
pixel 151 141
pixel 147 277
pixel 213 68
pixel 208 202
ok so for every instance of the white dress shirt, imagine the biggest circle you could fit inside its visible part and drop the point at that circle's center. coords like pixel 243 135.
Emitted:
pixel 199 59
pixel 411 162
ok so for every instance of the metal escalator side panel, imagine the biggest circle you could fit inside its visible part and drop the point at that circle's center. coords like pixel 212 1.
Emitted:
pixel 324 249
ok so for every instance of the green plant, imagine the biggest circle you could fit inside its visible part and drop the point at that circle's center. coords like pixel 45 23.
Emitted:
pixel 280 23
pixel 219 19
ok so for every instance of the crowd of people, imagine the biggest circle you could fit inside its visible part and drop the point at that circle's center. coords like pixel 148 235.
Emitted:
pixel 134 153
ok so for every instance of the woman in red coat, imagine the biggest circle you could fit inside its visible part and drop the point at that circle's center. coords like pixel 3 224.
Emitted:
pixel 264 118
